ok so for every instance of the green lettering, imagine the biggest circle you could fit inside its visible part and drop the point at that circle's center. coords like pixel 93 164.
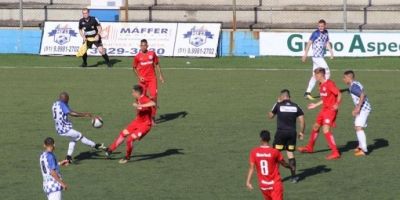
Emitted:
pixel 297 46
pixel 392 47
pixel 357 43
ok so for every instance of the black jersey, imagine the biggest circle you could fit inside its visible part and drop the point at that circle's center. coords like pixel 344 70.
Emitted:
pixel 89 26
pixel 287 113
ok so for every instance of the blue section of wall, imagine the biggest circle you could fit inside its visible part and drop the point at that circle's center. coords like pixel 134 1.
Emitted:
pixel 245 43
pixel 20 41
pixel 105 15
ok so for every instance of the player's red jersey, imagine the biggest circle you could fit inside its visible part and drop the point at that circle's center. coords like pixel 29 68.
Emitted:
pixel 328 92
pixel 144 64
pixel 266 159
pixel 143 115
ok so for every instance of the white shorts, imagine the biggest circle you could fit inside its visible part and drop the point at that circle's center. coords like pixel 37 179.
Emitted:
pixel 320 62
pixel 361 119
pixel 54 196
pixel 73 135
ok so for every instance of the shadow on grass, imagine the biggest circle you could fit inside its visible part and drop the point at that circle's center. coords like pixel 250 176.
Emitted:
pixel 350 145
pixel 112 61
pixel 168 152
pixel 88 155
pixel 308 172
pixel 171 116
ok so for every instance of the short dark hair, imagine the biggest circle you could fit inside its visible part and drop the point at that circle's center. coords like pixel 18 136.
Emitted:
pixel 285 91
pixel 49 141
pixel 138 88
pixel 320 70
pixel 321 21
pixel 265 135
pixel 143 41
pixel 350 72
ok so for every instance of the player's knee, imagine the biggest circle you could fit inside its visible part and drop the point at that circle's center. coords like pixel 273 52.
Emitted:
pixel 124 133
pixel 358 128
pixel 326 129
pixel 134 137
pixel 316 127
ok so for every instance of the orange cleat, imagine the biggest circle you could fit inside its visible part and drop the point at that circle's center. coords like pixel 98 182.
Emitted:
pixel 333 156
pixel 360 153
pixel 356 150
pixel 305 149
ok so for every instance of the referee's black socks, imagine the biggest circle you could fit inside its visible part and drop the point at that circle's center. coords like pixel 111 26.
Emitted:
pixel 84 57
pixel 292 163
pixel 105 56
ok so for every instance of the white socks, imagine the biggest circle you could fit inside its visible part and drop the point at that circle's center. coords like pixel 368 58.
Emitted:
pixel 362 140
pixel 71 148
pixel 311 84
pixel 88 142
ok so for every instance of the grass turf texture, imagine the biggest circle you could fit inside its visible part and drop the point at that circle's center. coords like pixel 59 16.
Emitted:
pixel 203 155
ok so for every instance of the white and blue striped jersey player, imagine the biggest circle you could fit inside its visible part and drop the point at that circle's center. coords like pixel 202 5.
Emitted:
pixel 63 126
pixel 319 41
pixel 51 187
pixel 356 89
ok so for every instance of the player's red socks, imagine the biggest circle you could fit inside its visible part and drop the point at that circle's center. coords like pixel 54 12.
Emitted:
pixel 331 142
pixel 313 138
pixel 129 147
pixel 116 142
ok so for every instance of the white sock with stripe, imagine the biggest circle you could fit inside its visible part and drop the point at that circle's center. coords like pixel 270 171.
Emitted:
pixel 362 140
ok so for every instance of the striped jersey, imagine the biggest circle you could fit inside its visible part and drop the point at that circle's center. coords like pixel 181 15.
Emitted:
pixel 319 40
pixel 356 89
pixel 48 162
pixel 60 115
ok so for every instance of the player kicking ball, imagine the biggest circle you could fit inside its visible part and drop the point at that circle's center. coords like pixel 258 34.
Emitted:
pixel 61 112
pixel 138 128
pixel 319 40
pixel 53 184
pixel 360 112
pixel 288 113
pixel 266 160
pixel 331 98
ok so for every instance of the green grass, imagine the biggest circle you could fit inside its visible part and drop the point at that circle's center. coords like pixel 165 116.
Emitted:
pixel 203 155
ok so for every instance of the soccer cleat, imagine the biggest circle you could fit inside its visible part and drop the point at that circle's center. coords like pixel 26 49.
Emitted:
pixel 360 153
pixel 100 146
pixel 69 158
pixel 305 149
pixel 333 156
pixel 108 153
pixel 109 64
pixel 308 96
pixel 357 150
pixel 294 179
pixel 123 161
pixel 84 64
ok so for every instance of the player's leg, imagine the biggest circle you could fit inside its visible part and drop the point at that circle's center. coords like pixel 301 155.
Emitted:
pixel 290 148
pixel 309 148
pixel 118 140
pixel 312 81
pixel 326 128
pixel 152 88
pixel 277 192
pixel 76 136
pixel 322 63
pixel 55 195
pixel 137 134
pixel 103 52
pixel 359 123
pixel 266 194
pixel 278 141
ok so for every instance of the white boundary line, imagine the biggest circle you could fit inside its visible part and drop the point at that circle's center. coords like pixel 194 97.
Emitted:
pixel 196 68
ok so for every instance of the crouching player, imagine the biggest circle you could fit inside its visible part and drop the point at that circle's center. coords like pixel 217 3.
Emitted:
pixel 361 110
pixel 138 128
pixel 266 160
pixel 330 101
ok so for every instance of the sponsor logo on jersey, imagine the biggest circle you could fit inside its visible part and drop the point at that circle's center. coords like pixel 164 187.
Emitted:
pixel 290 109
pixel 263 155
pixel 62 34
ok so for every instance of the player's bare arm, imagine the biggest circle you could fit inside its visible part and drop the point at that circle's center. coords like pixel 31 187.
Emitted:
pixel 157 65
pixel 249 176
pixel 314 105
pixel 271 115
pixel 141 79
pixel 304 58
pixel 329 47
pixel 302 124
pixel 146 105
pixel 99 30
pixel 64 163
pixel 285 164
pixel 54 174
pixel 338 100
pixel 80 114
pixel 82 34
pixel 357 108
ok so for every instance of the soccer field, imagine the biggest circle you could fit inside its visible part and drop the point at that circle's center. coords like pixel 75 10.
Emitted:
pixel 211 113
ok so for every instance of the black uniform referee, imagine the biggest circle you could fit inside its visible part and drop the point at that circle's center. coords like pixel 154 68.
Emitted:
pixel 287 114
pixel 89 27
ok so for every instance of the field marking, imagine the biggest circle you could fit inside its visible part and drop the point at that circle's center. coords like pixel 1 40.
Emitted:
pixel 196 68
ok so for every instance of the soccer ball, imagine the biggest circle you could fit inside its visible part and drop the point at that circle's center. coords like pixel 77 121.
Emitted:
pixel 97 122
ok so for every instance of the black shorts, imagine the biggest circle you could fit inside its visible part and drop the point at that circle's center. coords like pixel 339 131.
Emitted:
pixel 285 140
pixel 97 43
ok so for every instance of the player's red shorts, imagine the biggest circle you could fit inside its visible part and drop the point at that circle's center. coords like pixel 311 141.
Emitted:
pixel 150 86
pixel 276 193
pixel 327 117
pixel 139 130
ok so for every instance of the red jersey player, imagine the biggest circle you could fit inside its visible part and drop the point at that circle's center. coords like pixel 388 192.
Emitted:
pixel 266 160
pixel 144 65
pixel 330 100
pixel 138 128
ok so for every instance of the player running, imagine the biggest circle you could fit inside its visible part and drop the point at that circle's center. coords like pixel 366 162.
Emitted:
pixel 360 112
pixel 138 128
pixel 330 101
pixel 319 40
pixel 144 65
pixel 53 184
pixel 90 30
pixel 266 160
pixel 287 114
pixel 61 112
